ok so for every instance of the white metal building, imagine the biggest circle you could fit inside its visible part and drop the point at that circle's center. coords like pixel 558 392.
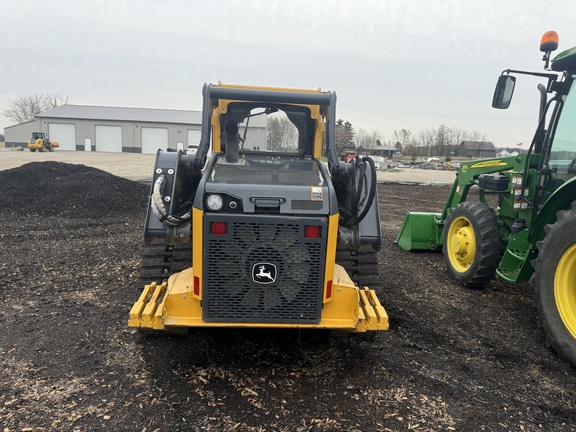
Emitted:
pixel 111 129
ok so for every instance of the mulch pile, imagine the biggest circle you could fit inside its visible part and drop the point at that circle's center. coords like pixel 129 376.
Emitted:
pixel 73 191
pixel 71 240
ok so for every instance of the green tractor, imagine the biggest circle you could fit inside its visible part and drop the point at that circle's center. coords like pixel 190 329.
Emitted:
pixel 524 221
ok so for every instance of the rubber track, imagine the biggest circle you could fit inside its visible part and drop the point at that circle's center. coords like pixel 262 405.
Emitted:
pixel 160 261
pixel 363 266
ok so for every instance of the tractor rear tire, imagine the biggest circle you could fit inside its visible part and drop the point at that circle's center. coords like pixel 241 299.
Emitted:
pixel 555 285
pixel 472 244
pixel 362 266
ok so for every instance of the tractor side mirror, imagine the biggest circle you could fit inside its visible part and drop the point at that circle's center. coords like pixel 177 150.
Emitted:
pixel 504 91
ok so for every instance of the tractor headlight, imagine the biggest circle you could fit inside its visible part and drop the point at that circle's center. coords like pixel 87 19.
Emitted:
pixel 214 202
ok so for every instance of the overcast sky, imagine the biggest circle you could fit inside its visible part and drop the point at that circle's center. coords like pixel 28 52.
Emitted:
pixel 412 64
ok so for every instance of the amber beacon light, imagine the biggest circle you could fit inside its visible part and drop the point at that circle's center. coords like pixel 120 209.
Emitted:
pixel 549 41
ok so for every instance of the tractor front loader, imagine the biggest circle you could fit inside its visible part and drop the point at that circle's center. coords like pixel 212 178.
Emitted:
pixel 249 237
pixel 531 232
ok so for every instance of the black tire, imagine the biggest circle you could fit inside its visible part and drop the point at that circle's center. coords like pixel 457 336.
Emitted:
pixel 472 244
pixel 555 285
pixel 160 261
pixel 362 266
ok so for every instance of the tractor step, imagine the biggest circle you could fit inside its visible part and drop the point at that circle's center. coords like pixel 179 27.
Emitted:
pixel 515 263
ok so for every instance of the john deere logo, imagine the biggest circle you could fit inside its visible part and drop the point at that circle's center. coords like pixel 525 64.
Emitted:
pixel 264 273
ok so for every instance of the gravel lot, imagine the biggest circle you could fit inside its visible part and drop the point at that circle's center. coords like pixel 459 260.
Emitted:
pixel 132 166
pixel 139 166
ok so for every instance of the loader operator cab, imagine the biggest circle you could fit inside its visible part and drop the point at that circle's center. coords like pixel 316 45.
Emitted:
pixel 272 128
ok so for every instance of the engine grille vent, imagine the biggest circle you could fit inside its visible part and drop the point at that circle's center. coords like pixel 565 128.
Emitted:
pixel 262 271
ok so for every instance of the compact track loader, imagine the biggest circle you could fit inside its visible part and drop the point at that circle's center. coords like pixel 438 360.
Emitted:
pixel 250 236
pixel 531 232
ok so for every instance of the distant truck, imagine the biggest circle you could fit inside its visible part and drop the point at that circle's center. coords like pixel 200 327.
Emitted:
pixel 41 143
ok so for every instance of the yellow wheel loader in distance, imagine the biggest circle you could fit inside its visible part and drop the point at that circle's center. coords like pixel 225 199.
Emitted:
pixel 531 233
pixel 41 143
pixel 261 219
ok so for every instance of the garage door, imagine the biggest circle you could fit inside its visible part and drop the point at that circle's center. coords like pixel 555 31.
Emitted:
pixel 194 139
pixel 154 139
pixel 108 138
pixel 193 136
pixel 63 134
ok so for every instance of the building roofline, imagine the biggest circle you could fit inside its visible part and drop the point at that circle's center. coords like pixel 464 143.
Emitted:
pixel 20 124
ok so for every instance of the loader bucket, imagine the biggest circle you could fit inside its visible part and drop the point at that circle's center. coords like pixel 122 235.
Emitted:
pixel 420 231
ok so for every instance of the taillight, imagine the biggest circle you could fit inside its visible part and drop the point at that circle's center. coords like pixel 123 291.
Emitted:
pixel 312 231
pixel 196 286
pixel 329 290
pixel 218 228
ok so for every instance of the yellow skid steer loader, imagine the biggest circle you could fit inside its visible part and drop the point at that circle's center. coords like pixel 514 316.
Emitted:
pixel 262 233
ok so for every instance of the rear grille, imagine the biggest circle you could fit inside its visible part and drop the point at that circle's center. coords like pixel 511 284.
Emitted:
pixel 262 270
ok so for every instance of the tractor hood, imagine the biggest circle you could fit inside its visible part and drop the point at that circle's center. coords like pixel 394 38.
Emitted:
pixel 267 185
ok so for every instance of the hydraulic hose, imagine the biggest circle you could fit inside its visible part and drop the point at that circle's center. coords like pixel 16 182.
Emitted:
pixel 369 199
pixel 354 215
pixel 158 208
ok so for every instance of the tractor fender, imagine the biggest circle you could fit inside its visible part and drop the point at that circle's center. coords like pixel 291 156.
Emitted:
pixel 561 199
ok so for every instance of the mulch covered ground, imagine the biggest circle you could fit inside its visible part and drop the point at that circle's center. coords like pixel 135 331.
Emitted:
pixel 71 237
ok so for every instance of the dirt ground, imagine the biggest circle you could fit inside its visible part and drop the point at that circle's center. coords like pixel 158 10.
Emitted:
pixel 71 236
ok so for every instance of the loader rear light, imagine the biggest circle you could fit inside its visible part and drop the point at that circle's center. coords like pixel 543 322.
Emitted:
pixel 214 202
pixel 329 290
pixel 218 228
pixel 196 286
pixel 312 231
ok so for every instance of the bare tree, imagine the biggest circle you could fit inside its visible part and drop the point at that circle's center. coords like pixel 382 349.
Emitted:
pixel 54 100
pixel 442 140
pixel 24 108
pixel 476 136
pixel 362 138
pixel 282 134
pixel 403 138
pixel 376 139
